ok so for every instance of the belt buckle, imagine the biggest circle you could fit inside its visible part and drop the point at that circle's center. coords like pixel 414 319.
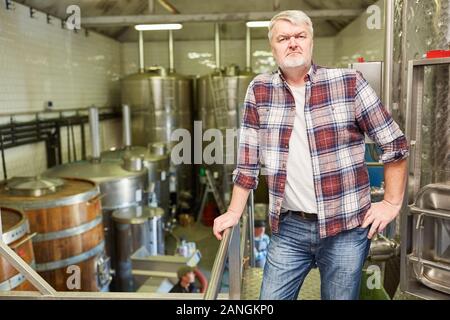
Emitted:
pixel 305 216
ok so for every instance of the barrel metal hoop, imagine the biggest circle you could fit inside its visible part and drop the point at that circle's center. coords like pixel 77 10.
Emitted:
pixel 70 232
pixel 14 281
pixel 72 260
pixel 17 233
pixel 48 204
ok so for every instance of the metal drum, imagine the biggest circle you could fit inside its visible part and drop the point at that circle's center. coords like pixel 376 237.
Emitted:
pixel 428 244
pixel 157 162
pixel 69 245
pixel 160 103
pixel 16 235
pixel 134 228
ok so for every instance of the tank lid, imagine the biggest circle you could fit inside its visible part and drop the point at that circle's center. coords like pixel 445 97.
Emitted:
pixel 136 215
pixel 159 148
pixel 33 186
pixel 156 70
pixel 232 70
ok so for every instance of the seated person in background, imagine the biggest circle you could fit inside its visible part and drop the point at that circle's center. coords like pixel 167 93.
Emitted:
pixel 186 279
pixel 261 243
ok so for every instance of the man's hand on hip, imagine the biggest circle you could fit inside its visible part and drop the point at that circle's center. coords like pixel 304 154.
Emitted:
pixel 380 215
pixel 224 221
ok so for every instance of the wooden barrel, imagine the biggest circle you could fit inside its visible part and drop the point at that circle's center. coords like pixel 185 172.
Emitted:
pixel 16 236
pixel 69 245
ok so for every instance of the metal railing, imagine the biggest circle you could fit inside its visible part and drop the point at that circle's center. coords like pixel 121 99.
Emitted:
pixel 233 246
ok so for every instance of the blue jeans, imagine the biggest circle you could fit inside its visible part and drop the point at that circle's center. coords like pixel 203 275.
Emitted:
pixel 297 248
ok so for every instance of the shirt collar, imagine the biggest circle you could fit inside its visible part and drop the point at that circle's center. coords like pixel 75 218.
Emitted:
pixel 308 77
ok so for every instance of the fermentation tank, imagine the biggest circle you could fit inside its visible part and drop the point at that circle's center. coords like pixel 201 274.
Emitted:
pixel 122 184
pixel 136 227
pixel 221 96
pixel 155 159
pixel 66 217
pixel 160 103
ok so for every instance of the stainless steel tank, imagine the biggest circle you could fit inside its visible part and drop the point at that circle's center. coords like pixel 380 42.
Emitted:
pixel 156 160
pixel 160 103
pixel 136 227
pixel 220 98
pixel 230 84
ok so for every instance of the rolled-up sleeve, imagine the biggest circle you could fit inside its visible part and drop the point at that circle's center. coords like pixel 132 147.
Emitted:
pixel 378 124
pixel 248 164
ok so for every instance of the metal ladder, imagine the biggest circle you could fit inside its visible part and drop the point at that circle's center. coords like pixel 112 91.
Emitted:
pixel 220 103
pixel 210 188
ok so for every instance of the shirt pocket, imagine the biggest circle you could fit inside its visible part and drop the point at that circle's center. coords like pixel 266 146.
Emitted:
pixel 272 117
pixel 342 114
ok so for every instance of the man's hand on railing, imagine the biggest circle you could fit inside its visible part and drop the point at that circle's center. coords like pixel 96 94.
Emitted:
pixel 227 220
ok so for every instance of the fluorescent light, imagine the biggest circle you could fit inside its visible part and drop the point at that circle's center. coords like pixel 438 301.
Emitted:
pixel 167 26
pixel 258 24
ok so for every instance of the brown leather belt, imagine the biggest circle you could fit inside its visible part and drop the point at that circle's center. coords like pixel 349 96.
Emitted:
pixel 303 215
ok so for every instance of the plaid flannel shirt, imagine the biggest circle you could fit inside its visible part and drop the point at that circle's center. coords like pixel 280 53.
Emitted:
pixel 340 107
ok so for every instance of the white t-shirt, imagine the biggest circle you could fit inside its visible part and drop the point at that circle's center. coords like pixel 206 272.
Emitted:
pixel 299 192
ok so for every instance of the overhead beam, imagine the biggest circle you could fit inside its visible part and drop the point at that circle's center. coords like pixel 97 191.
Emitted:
pixel 116 21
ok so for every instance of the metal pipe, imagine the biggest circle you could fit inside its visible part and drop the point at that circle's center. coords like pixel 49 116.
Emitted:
pixel 141 52
pixel 111 296
pixel 234 264
pixel 219 263
pixel 276 5
pixel 74 146
pixel 171 51
pixel 248 50
pixel 168 6
pixel 251 227
pixel 388 53
pixel 5 175
pixel 217 44
pixel 34 113
pixel 95 133
pixel 83 140
pixel 1 226
pixel 69 154
pixel 151 6
pixel 116 21
pixel 126 125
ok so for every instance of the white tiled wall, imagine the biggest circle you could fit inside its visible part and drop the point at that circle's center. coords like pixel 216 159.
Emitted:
pixel 42 62
pixel 197 57
pixel 26 160
pixel 110 136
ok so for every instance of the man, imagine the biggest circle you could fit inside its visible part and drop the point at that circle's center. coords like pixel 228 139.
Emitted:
pixel 304 127
pixel 186 279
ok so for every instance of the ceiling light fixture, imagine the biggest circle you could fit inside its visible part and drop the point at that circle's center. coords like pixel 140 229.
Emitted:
pixel 258 24
pixel 152 27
